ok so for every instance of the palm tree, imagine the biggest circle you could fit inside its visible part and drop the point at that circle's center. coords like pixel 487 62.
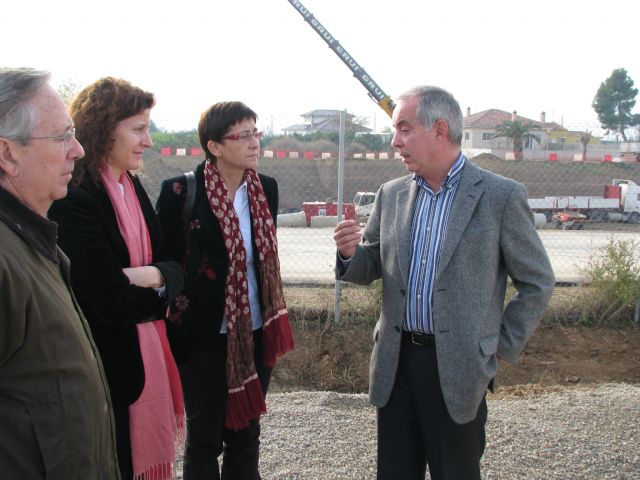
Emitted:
pixel 585 138
pixel 517 132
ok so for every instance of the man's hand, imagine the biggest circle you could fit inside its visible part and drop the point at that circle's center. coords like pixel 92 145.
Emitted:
pixel 347 235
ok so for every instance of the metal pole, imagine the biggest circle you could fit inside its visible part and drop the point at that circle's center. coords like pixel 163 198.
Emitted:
pixel 336 307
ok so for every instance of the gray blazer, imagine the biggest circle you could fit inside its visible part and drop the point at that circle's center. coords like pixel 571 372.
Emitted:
pixel 490 236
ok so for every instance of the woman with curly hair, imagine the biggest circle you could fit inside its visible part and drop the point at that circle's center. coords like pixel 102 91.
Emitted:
pixel 122 275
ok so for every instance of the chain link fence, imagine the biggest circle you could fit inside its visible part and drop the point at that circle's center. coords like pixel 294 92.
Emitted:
pixel 580 205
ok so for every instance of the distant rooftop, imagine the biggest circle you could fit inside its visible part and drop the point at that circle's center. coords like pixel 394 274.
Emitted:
pixel 494 117
pixel 325 113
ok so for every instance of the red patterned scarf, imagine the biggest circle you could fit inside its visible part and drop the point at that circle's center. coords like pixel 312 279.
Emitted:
pixel 246 399
pixel 156 419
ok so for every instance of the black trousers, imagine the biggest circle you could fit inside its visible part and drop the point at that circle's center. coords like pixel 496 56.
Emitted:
pixel 416 430
pixel 123 441
pixel 205 393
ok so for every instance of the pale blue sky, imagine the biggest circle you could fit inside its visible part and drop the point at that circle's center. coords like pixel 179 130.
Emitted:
pixel 533 56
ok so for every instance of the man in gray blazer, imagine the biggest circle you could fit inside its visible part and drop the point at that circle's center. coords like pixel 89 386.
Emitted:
pixel 444 240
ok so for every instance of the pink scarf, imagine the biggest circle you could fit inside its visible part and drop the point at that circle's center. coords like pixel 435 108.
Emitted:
pixel 156 419
pixel 245 399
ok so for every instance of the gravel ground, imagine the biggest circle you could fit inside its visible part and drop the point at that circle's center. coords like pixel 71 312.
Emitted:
pixel 571 433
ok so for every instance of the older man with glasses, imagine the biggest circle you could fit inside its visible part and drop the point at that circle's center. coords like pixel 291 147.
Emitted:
pixel 55 411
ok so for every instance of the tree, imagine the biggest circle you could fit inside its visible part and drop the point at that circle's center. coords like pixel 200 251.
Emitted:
pixel 184 138
pixel 517 131
pixel 68 89
pixel 585 138
pixel 614 101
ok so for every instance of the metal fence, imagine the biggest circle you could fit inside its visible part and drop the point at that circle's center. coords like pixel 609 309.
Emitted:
pixel 571 195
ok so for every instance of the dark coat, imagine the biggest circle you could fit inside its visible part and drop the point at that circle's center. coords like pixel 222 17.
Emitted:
pixel 90 236
pixel 199 309
pixel 55 412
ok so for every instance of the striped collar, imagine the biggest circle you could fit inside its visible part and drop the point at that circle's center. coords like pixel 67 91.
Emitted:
pixel 452 178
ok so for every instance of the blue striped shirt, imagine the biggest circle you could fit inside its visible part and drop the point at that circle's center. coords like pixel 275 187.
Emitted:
pixel 428 229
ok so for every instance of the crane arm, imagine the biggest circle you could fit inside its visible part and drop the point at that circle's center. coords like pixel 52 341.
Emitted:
pixel 375 92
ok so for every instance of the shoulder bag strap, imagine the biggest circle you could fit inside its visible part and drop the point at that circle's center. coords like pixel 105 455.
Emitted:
pixel 189 201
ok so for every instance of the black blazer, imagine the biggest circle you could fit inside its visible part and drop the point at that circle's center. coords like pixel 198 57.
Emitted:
pixel 199 309
pixel 89 235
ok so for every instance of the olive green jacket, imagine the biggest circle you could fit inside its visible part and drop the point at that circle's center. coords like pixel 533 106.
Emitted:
pixel 55 414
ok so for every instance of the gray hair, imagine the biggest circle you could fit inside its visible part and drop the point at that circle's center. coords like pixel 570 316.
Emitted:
pixel 17 87
pixel 434 104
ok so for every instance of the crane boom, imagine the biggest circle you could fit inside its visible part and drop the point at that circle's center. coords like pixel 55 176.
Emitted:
pixel 375 92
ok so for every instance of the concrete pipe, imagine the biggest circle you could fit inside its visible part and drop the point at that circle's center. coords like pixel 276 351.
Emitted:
pixel 539 219
pixel 297 219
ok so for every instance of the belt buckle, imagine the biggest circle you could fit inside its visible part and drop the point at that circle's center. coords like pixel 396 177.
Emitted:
pixel 414 336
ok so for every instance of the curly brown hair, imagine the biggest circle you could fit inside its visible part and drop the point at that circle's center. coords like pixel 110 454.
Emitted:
pixel 96 112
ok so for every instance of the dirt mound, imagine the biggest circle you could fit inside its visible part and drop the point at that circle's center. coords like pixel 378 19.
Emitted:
pixel 303 180
pixel 332 356
pixel 338 359
pixel 486 157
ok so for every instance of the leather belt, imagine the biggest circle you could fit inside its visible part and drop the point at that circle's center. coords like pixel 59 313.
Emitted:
pixel 421 339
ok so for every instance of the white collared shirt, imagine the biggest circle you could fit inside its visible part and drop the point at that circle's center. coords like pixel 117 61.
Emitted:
pixel 241 206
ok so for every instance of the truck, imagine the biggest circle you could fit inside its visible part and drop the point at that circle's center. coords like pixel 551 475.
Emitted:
pixel 620 202
pixel 363 202
pixel 630 152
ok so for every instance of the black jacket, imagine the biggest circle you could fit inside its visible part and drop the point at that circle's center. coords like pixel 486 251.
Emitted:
pixel 90 236
pixel 199 309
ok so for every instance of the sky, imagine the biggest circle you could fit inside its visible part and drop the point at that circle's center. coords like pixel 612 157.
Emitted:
pixel 544 55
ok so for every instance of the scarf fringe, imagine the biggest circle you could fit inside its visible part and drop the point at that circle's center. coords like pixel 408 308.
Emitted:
pixel 163 471
pixel 244 404
pixel 279 342
pixel 181 434
pixel 278 337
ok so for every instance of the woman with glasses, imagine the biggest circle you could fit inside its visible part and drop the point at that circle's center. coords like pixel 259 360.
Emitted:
pixel 122 275
pixel 232 311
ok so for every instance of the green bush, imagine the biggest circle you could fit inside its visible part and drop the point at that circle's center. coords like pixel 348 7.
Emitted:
pixel 613 285
pixel 184 139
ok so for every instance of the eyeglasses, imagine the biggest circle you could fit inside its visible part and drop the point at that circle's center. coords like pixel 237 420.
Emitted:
pixel 244 136
pixel 64 139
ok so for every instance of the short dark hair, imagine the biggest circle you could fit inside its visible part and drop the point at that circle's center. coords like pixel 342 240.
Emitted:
pixel 217 120
pixel 96 112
